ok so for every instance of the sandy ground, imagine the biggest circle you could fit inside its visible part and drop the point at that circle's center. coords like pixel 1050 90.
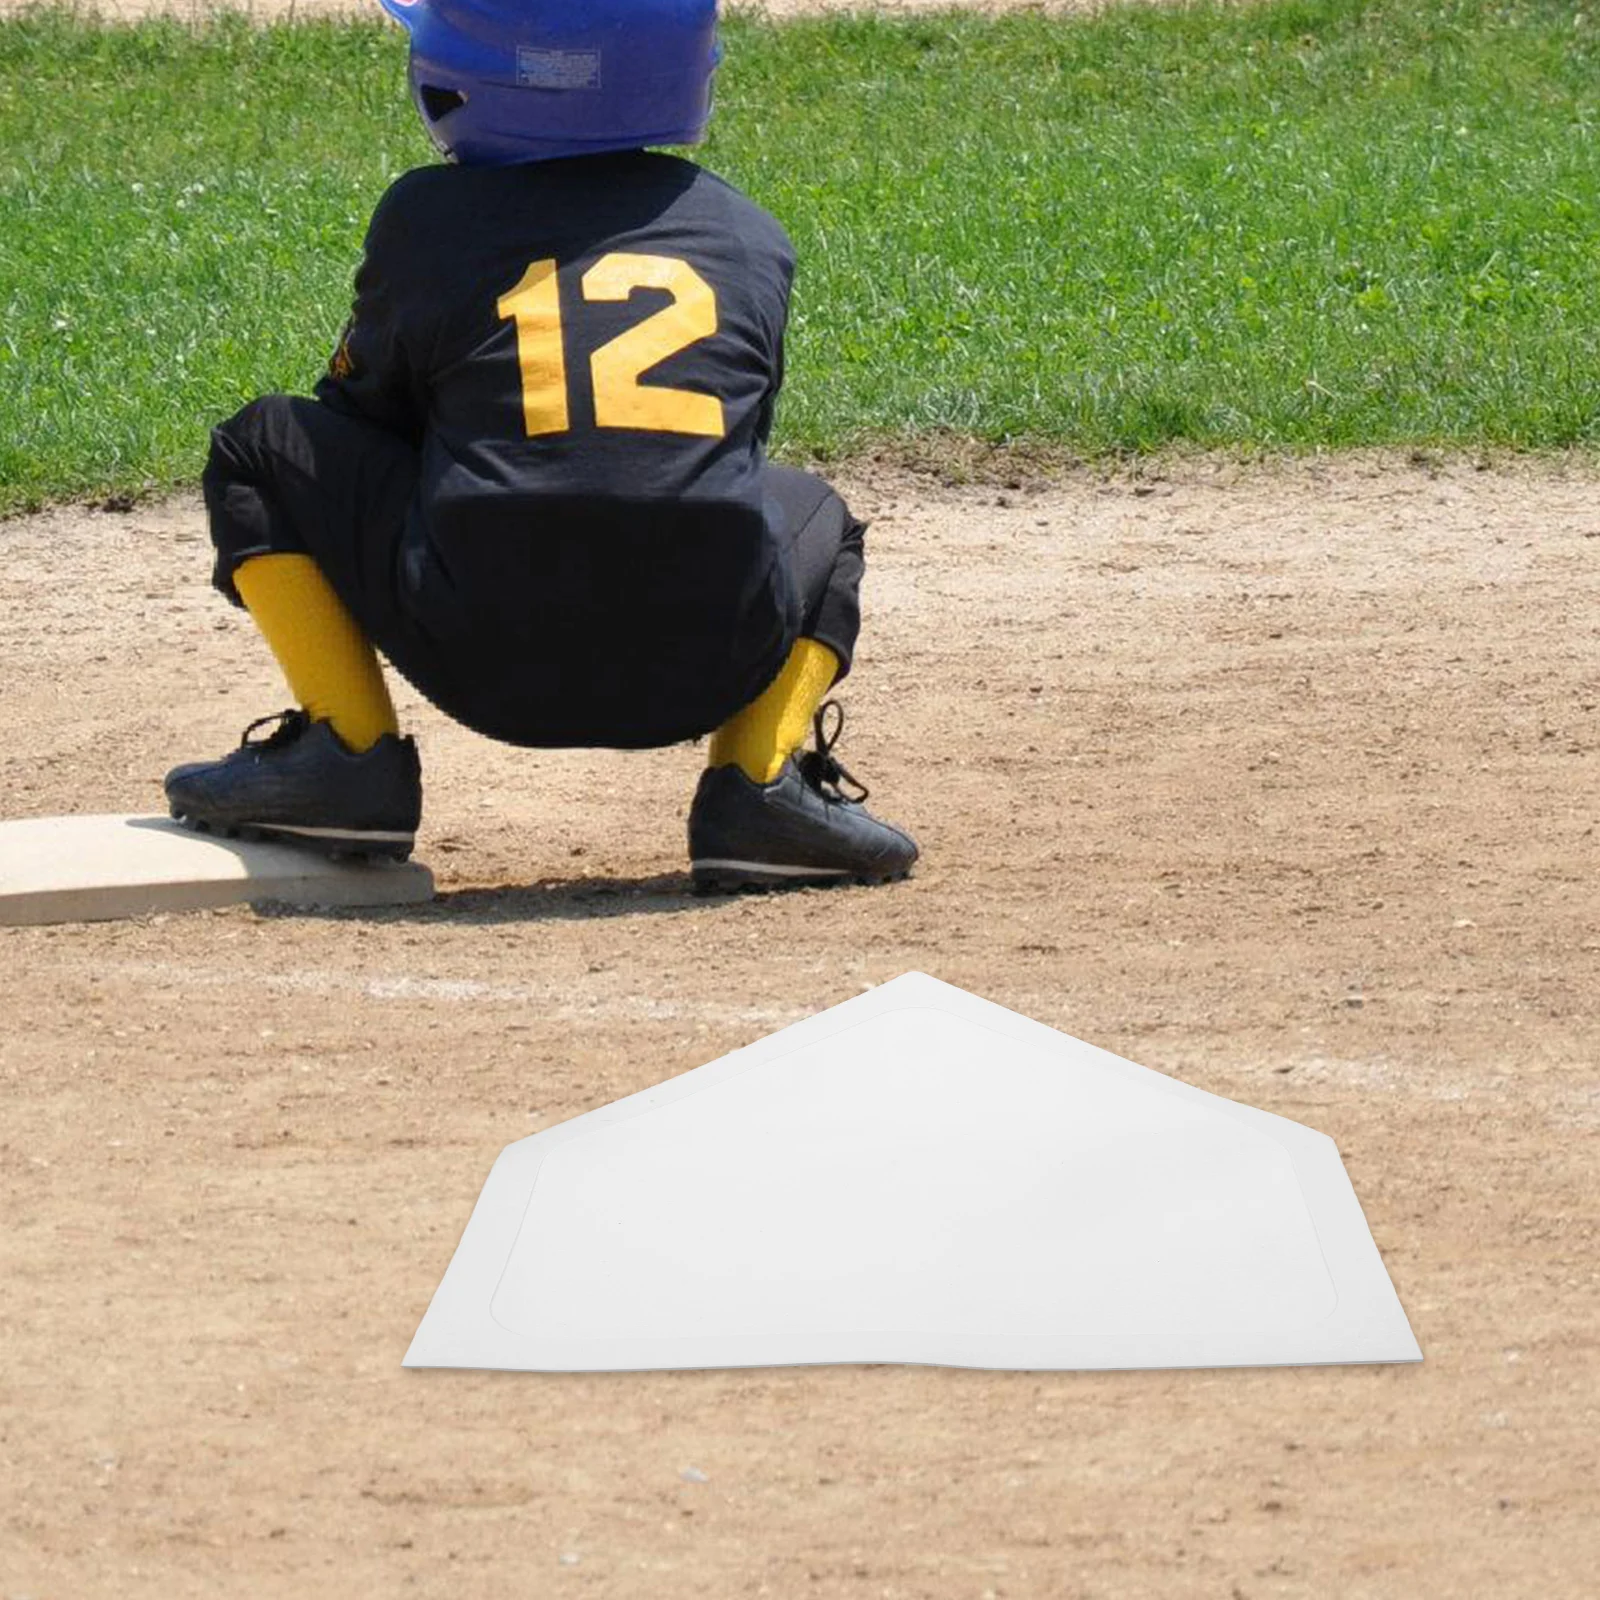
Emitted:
pixel 1283 780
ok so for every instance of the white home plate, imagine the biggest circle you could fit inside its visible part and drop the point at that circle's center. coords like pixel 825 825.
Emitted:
pixel 89 869
pixel 916 1175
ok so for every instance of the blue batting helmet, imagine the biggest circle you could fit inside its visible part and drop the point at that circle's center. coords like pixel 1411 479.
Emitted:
pixel 497 81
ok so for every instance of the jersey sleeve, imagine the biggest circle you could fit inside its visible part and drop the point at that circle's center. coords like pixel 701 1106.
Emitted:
pixel 769 401
pixel 378 369
pixel 778 304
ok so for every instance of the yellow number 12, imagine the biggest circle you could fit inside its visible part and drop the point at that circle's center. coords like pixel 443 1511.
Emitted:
pixel 620 400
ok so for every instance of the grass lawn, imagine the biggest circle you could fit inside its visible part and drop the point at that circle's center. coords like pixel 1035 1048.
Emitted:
pixel 1297 224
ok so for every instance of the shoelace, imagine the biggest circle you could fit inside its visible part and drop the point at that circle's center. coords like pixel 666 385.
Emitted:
pixel 289 726
pixel 821 769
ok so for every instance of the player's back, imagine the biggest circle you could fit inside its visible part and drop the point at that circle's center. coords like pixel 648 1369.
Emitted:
pixel 587 352
pixel 597 328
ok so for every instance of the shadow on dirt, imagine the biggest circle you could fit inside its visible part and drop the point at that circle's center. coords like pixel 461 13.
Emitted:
pixel 551 900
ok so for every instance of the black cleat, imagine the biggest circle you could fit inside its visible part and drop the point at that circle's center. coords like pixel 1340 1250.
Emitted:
pixel 302 783
pixel 799 829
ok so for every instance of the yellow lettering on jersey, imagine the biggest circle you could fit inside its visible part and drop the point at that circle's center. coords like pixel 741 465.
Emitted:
pixel 620 400
pixel 535 306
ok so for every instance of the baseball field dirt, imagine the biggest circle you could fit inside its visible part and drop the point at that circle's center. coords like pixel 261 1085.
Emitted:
pixel 1282 778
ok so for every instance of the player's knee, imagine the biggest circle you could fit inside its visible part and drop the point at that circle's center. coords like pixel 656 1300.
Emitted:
pixel 252 430
pixel 249 449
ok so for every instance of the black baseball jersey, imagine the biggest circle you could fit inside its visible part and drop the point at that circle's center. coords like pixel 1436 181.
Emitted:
pixel 585 353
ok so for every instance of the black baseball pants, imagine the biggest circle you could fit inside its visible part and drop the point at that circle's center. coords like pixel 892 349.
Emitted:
pixel 588 660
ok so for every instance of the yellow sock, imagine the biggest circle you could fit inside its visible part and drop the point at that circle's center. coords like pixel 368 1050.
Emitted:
pixel 772 727
pixel 332 671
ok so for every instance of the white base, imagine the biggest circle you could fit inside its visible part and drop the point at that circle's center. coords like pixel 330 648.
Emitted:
pixel 916 1175
pixel 90 869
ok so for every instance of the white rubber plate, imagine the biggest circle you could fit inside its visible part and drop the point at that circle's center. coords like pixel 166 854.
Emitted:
pixel 916 1175
pixel 94 868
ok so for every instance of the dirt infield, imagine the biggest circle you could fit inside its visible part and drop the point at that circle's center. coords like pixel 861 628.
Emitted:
pixel 1283 780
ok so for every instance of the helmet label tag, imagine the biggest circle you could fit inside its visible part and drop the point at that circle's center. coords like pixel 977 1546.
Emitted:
pixel 557 69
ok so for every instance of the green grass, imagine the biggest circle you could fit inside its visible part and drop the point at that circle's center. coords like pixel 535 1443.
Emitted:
pixel 1300 224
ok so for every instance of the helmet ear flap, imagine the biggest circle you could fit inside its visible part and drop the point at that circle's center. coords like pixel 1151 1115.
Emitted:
pixel 437 103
